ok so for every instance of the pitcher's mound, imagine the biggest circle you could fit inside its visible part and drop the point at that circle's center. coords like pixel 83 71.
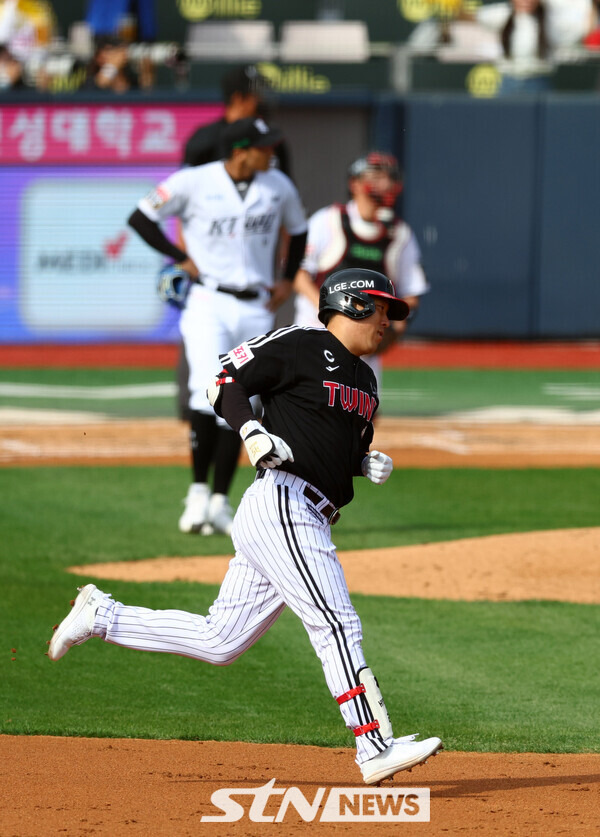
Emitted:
pixel 559 565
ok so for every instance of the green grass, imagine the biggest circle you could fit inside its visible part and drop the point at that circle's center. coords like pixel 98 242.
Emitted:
pixel 116 407
pixel 404 392
pixel 423 392
pixel 485 676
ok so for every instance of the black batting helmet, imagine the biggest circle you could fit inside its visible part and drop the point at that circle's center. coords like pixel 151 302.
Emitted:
pixel 354 291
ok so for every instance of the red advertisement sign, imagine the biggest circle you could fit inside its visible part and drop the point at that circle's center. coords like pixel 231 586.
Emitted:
pixel 112 133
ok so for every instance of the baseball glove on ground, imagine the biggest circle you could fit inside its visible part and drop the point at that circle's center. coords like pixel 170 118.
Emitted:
pixel 174 285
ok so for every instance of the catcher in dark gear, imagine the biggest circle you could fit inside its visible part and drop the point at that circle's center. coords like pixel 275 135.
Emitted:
pixel 363 233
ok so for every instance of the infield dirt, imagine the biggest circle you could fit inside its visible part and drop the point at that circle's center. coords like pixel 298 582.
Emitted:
pixel 413 443
pixel 132 787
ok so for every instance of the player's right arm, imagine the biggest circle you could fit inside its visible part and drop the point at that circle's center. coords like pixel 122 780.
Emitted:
pixel 256 366
pixel 152 234
pixel 230 400
pixel 168 199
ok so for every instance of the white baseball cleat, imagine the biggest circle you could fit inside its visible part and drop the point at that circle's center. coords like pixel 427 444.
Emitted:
pixel 195 513
pixel 403 754
pixel 77 626
pixel 220 516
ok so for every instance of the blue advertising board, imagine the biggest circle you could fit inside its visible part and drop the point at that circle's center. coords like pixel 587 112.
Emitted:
pixel 71 268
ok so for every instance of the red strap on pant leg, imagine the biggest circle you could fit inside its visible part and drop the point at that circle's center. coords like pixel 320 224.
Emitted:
pixel 357 690
pixel 352 693
pixel 366 728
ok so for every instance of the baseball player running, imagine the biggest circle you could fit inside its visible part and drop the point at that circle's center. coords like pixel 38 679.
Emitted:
pixel 319 400
pixel 231 213
pixel 363 233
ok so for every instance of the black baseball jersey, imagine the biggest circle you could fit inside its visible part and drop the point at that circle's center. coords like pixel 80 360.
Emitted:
pixel 317 396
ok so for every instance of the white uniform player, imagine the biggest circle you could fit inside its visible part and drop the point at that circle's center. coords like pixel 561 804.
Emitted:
pixel 319 400
pixel 363 233
pixel 231 215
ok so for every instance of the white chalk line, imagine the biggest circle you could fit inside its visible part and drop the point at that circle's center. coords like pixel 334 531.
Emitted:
pixel 163 389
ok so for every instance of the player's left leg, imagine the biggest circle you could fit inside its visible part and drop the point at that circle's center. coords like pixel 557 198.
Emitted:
pixel 205 331
pixel 182 373
pixel 202 438
pixel 246 607
pixel 219 516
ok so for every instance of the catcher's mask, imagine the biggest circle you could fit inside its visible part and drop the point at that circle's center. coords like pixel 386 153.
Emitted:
pixel 354 292
pixel 380 175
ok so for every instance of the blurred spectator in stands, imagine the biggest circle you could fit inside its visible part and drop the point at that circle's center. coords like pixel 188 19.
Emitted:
pixel 11 70
pixel 531 35
pixel 26 30
pixel 129 20
pixel 111 69
pixel 524 38
pixel 592 41
pixel 62 73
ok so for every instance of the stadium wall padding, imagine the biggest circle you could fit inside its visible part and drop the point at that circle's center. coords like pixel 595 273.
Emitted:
pixel 504 196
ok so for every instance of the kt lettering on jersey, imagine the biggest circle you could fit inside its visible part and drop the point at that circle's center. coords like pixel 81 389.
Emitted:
pixel 253 225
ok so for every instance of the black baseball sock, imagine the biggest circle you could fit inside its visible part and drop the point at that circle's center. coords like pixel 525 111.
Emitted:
pixel 226 459
pixel 203 442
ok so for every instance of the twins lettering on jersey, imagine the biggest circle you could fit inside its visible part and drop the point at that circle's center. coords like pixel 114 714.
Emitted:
pixel 350 399
pixel 253 224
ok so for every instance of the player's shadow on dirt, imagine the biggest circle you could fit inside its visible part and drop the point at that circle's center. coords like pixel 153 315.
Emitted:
pixel 454 789
pixel 475 787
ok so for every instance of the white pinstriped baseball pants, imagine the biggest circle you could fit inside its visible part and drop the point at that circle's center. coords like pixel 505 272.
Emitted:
pixel 284 556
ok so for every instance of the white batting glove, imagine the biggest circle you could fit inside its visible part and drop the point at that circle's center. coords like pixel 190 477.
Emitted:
pixel 377 466
pixel 265 450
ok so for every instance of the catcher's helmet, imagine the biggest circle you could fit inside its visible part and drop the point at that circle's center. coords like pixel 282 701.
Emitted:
pixel 370 168
pixel 375 160
pixel 354 291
